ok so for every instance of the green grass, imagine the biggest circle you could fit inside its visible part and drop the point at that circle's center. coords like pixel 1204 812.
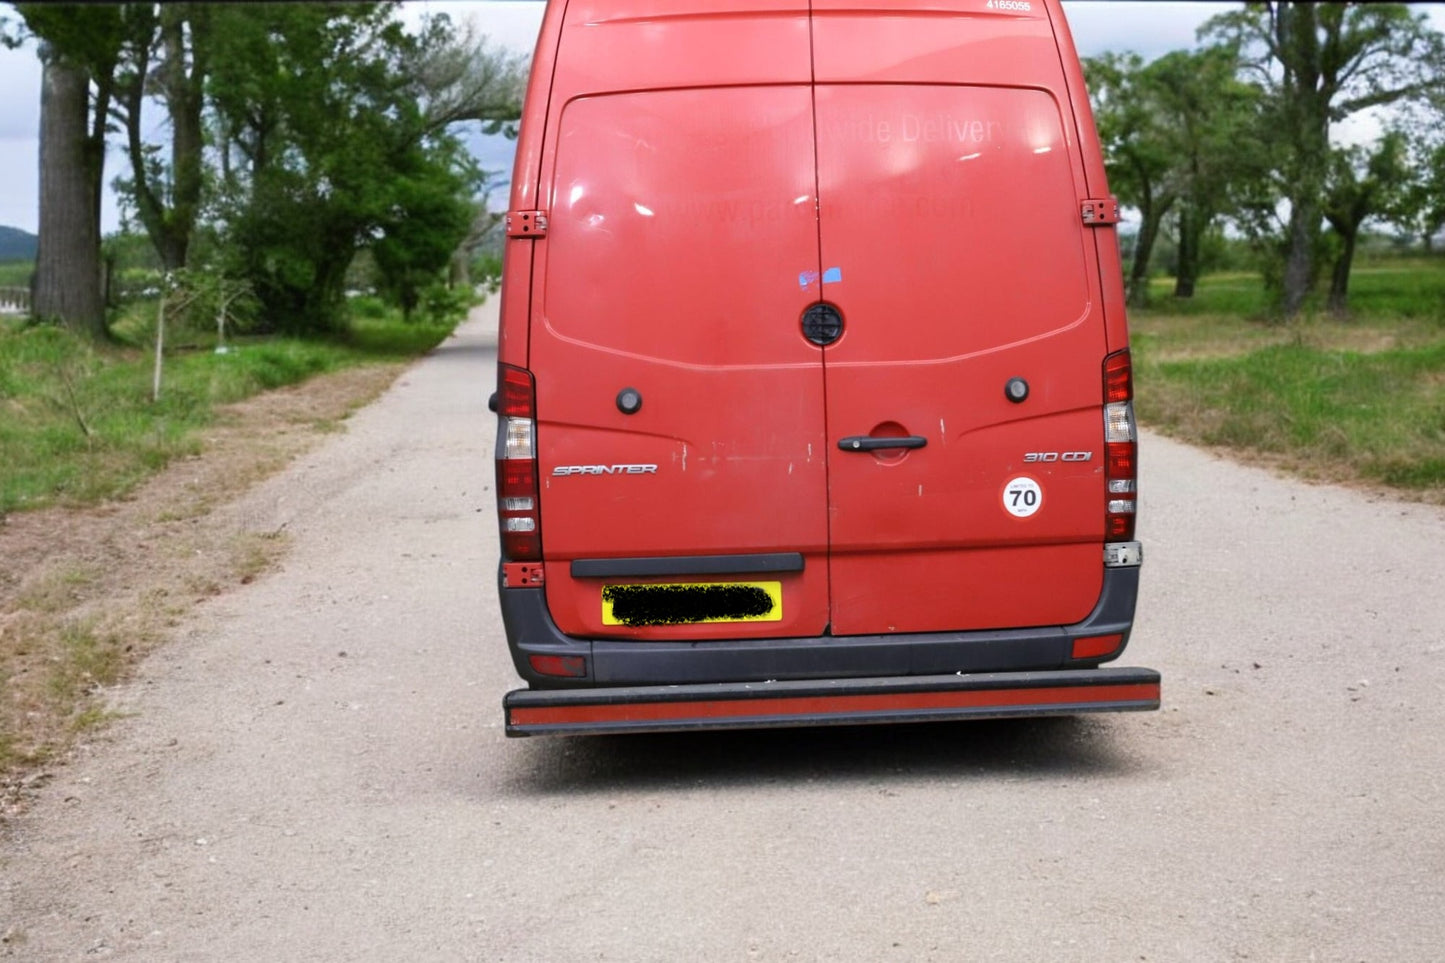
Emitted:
pixel 1412 287
pixel 77 423
pixel 15 274
pixel 1359 399
pixel 1382 413
pixel 1234 294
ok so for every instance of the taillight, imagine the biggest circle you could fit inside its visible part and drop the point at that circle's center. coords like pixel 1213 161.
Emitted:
pixel 517 511
pixel 1121 448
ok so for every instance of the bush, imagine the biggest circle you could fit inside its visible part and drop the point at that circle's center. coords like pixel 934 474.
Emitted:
pixel 445 305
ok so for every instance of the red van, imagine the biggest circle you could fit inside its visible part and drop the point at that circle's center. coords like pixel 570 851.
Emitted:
pixel 814 388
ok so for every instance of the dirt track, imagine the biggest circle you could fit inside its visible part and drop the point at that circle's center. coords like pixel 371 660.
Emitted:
pixel 315 769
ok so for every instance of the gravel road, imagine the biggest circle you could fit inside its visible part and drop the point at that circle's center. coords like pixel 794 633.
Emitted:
pixel 316 770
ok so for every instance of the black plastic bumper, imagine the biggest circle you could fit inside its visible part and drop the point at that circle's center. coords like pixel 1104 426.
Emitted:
pixel 616 662
pixel 745 705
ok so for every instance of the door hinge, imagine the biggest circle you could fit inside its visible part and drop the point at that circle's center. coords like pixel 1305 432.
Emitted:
pixel 526 224
pixel 523 574
pixel 1099 211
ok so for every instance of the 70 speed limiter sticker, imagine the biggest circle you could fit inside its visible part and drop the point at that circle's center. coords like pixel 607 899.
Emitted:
pixel 1022 496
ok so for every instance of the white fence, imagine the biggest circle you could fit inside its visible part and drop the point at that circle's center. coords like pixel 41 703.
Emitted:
pixel 14 300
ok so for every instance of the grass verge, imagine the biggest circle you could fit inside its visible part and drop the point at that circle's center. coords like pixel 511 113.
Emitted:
pixel 120 534
pixel 1359 400
pixel 78 424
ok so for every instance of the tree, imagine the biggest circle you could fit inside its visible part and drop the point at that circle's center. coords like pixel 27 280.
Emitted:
pixel 1421 209
pixel 432 213
pixel 67 285
pixel 1211 114
pixel 1319 64
pixel 166 55
pixel 1138 153
pixel 1361 182
pixel 457 79
pixel 1172 136
pixel 482 232
pixel 332 125
pixel 79 48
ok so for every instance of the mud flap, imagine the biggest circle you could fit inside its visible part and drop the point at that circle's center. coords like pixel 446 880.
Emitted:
pixel 755 705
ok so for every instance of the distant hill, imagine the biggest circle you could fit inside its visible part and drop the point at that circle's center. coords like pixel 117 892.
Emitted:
pixel 16 245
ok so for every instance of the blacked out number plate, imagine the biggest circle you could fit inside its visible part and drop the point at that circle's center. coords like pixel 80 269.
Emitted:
pixel 693 602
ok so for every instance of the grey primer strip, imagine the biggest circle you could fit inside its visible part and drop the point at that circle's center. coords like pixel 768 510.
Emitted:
pixel 687 565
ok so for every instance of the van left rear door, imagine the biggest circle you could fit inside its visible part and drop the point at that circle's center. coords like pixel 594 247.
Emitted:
pixel 680 255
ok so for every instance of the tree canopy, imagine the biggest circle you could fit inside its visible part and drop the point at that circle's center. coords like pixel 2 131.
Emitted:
pixel 1317 65
pixel 298 136
pixel 1239 130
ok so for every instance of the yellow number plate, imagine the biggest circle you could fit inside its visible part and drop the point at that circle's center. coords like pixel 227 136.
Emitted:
pixel 692 602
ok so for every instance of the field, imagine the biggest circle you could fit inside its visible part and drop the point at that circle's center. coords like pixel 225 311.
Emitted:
pixel 15 274
pixel 80 424
pixel 1357 401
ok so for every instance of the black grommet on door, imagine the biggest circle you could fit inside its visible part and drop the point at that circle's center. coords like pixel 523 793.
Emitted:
pixel 629 400
pixel 822 323
pixel 1016 390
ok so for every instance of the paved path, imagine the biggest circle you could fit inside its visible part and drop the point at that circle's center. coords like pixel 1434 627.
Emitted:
pixel 315 769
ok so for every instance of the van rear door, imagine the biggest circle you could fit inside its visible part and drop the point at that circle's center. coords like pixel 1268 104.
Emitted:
pixel 682 215
pixel 949 190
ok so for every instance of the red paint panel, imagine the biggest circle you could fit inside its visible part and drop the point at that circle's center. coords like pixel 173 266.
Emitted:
pixel 1006 586
pixel 910 42
pixel 680 221
pixel 831 705
pixel 951 216
pixel 647 45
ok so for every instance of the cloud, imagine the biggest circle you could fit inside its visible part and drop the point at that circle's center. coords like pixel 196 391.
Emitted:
pixel 20 83
pixel 507 23
pixel 1148 29
pixel 19 182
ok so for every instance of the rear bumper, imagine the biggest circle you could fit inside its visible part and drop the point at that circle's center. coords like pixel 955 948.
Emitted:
pixel 618 663
pixel 746 705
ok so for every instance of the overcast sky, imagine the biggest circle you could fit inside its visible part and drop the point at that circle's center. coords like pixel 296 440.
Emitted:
pixel 1149 28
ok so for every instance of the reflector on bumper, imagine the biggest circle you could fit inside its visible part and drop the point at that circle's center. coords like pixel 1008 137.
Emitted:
pixel 744 705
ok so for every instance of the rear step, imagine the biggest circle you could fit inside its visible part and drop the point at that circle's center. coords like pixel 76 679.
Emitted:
pixel 747 705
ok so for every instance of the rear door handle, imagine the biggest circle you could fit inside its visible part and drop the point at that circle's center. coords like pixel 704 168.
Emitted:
pixel 870 443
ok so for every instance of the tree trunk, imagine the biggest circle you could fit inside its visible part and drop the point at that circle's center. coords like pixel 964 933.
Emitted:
pixel 1191 229
pixel 1299 263
pixel 168 210
pixel 1138 288
pixel 67 258
pixel 1340 280
pixel 459 271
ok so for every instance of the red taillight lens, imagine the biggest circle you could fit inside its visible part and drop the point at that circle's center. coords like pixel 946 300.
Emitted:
pixel 518 516
pixel 565 666
pixel 1119 458
pixel 516 396
pixel 1118 377
pixel 1096 646
pixel 1121 448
